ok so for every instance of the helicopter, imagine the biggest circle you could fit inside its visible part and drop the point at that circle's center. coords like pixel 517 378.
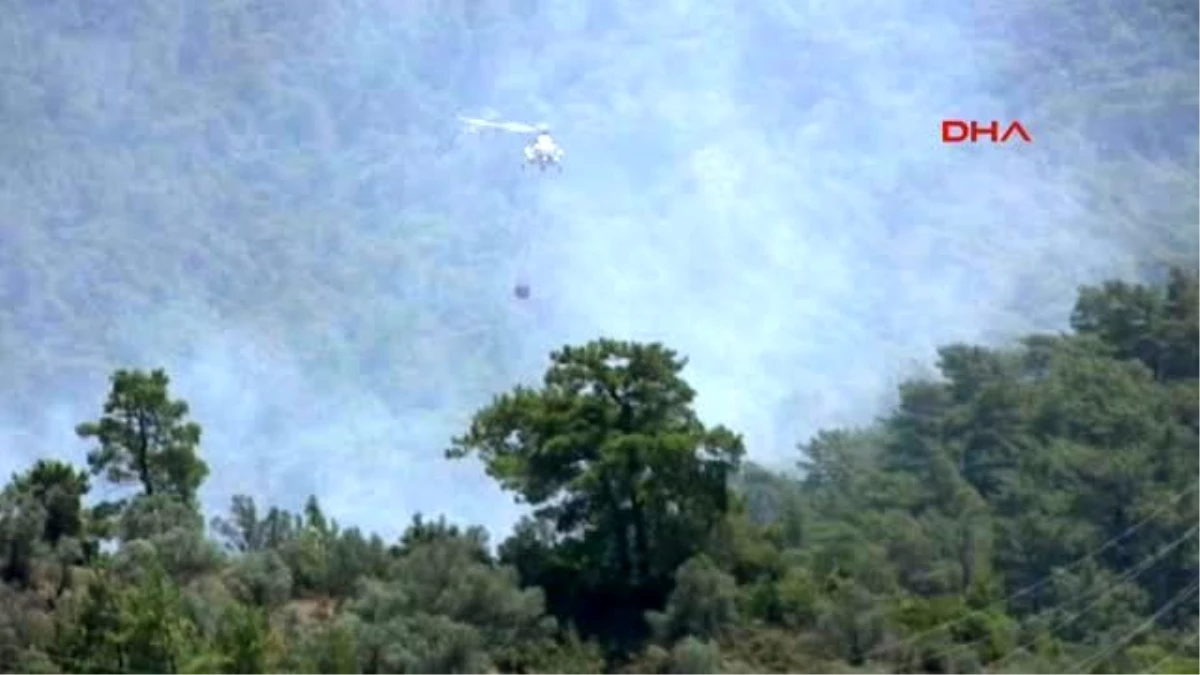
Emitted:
pixel 541 151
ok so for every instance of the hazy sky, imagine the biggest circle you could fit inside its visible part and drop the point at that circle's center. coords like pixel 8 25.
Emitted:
pixel 274 202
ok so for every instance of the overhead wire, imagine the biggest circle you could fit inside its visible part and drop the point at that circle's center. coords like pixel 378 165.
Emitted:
pixel 1086 665
pixel 1162 663
pixel 1071 619
pixel 1026 590
pixel 79 664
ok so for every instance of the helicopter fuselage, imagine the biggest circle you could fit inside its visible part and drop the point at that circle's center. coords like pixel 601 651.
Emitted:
pixel 544 152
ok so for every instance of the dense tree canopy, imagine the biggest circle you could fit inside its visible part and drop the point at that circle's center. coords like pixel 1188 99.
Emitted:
pixel 274 199
pixel 1031 509
pixel 620 472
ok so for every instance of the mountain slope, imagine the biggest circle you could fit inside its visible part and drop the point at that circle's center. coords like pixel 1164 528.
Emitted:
pixel 272 199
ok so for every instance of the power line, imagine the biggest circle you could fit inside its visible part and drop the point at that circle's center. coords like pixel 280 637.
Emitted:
pixel 1087 664
pixel 1129 531
pixel 1162 663
pixel 1063 622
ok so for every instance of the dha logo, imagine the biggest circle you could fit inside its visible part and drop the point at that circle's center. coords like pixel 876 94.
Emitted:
pixel 959 131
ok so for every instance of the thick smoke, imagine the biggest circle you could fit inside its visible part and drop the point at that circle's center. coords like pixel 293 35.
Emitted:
pixel 273 201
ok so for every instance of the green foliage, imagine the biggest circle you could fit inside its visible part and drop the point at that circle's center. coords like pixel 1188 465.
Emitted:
pixel 703 603
pixel 244 532
pixel 22 523
pixel 58 489
pixel 626 480
pixel 244 642
pixel 162 531
pixel 1033 509
pixel 261 579
pixel 325 646
pixel 144 437
pixel 562 654
pixel 1021 512
pixel 692 655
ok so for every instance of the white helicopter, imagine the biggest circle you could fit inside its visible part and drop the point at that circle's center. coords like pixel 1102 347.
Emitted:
pixel 541 151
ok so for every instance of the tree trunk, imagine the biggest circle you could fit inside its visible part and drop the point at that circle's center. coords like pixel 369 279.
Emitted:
pixel 640 537
pixel 621 529
pixel 143 455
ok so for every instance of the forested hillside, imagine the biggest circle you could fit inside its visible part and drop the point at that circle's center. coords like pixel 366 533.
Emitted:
pixel 263 215
pixel 1031 509
pixel 272 199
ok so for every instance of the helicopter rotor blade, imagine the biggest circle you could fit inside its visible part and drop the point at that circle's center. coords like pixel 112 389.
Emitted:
pixel 475 124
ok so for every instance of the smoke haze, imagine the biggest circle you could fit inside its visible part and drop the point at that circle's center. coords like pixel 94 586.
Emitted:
pixel 275 202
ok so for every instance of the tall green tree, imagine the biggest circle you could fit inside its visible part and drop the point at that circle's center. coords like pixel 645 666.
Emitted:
pixel 59 489
pixel 49 498
pixel 21 527
pixel 616 464
pixel 144 437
